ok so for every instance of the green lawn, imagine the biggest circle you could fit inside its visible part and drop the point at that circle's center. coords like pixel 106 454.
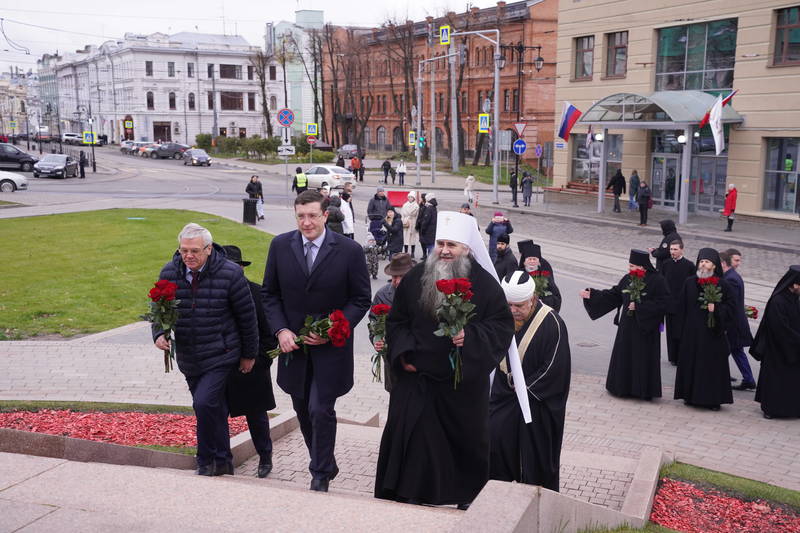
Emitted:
pixel 105 407
pixel 4 203
pixel 88 272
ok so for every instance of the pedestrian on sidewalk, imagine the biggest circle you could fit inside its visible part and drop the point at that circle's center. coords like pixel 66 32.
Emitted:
pixel 645 200
pixel 428 218
pixel 255 192
pixel 300 181
pixel 394 231
pixel 738 331
pixel 340 161
pixel 314 272
pixel 662 253
pixel 409 213
pixel 216 334
pixel 376 211
pixel 251 394
pixel 355 168
pixel 633 191
pixel 730 206
pixel 348 224
pixel 527 188
pixel 703 376
pixel 617 186
pixel 386 167
pixel 675 270
pixel 401 172
pixel 635 367
pixel 513 183
pixel 335 215
pixel 499 225
pixel 777 345
pixel 469 183
pixel 371 254
pixel 82 164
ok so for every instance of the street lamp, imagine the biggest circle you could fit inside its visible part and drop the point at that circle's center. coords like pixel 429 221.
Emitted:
pixel 88 110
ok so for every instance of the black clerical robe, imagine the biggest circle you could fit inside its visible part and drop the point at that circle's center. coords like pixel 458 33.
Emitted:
pixel 675 273
pixel 531 453
pixel 635 366
pixel 703 376
pixel 435 446
pixel 554 298
pixel 777 346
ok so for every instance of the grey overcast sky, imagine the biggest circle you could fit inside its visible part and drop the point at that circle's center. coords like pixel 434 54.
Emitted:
pixel 46 26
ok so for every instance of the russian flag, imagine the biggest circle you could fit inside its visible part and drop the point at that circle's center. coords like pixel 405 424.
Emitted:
pixel 569 117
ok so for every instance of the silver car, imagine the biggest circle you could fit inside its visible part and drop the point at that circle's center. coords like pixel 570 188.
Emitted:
pixel 329 175
pixel 10 182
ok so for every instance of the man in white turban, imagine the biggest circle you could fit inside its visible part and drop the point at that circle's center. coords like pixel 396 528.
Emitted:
pixel 530 453
pixel 435 447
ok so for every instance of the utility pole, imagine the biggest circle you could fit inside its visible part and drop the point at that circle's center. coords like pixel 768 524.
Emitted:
pixel 214 128
pixel 454 130
pixel 432 131
pixel 419 121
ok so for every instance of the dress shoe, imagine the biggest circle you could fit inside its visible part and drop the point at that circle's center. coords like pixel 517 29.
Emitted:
pixel 264 467
pixel 205 470
pixel 745 386
pixel 319 485
pixel 223 469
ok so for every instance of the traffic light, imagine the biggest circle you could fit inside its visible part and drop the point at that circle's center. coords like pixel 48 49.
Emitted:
pixel 421 141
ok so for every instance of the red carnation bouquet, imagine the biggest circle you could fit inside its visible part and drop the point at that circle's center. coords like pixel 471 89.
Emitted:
pixel 334 328
pixel 542 281
pixel 453 314
pixel 377 328
pixel 164 312
pixel 711 294
pixel 751 312
pixel 636 286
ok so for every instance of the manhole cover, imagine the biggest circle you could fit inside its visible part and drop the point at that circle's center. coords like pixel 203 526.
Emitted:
pixel 588 344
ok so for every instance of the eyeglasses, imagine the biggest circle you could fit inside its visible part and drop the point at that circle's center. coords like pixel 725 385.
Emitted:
pixel 312 217
pixel 192 251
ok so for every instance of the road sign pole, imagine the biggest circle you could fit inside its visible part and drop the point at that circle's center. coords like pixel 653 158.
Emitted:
pixel 419 122
pixel 453 110
pixel 432 132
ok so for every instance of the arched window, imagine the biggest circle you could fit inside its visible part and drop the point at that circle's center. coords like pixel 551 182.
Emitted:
pixel 273 102
pixel 172 100
pixel 191 101
pixel 397 139
pixel 150 103
pixel 367 137
pixel 381 138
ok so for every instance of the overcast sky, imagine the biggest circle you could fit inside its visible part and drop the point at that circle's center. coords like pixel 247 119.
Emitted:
pixel 44 26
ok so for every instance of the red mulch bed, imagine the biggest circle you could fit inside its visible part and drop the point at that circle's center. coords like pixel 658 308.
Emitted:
pixel 686 507
pixel 127 428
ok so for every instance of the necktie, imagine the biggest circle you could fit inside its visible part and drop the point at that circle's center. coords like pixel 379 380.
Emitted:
pixel 195 280
pixel 310 255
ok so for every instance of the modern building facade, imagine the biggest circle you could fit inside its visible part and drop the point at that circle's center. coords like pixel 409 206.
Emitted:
pixel 157 87
pixel 644 74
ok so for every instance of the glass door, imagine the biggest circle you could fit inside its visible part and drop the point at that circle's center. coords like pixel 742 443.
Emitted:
pixel 665 183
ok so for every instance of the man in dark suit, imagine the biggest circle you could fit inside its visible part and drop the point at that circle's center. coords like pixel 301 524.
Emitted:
pixel 675 270
pixel 311 272
pixel 738 331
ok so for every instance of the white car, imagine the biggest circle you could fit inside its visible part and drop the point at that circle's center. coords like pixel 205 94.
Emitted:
pixel 10 182
pixel 330 175
pixel 71 138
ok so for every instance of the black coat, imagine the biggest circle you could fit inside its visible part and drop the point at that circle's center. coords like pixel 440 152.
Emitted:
pixel 661 253
pixel 335 215
pixel 254 190
pixel 505 263
pixel 554 298
pixel 217 323
pixel 427 224
pixel 338 280
pixel 617 184
pixel 377 207
pixel 739 329
pixel 675 273
pixel 395 234
pixel 251 393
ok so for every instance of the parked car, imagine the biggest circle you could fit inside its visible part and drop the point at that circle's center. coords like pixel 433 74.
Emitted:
pixel 133 148
pixel 167 150
pixel 196 156
pixel 347 151
pixel 13 157
pixel 59 165
pixel 146 148
pixel 71 138
pixel 330 175
pixel 124 146
pixel 10 182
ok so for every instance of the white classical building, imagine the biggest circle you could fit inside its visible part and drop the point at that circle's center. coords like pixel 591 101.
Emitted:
pixel 159 87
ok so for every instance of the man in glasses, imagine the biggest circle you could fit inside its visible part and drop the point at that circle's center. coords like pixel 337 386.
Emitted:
pixel 216 333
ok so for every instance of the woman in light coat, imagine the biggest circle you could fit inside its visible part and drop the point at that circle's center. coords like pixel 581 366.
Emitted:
pixel 468 184
pixel 409 213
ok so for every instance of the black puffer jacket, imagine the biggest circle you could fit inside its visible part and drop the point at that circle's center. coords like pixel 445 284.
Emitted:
pixel 217 324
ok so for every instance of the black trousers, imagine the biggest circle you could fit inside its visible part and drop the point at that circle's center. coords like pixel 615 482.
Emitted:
pixel 211 410
pixel 259 432
pixel 317 418
pixel 643 213
pixel 616 203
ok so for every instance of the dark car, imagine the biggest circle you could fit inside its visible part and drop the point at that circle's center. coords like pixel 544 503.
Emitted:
pixel 13 157
pixel 59 165
pixel 196 156
pixel 167 150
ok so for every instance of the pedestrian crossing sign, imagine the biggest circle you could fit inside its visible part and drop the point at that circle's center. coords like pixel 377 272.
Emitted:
pixel 88 137
pixel 444 35
pixel 311 128
pixel 412 138
pixel 12 124
pixel 483 123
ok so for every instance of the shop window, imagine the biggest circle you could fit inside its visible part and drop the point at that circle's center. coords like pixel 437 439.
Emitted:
pixel 780 175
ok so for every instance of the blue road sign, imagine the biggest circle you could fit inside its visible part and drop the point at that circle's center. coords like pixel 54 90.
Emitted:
pixel 539 150
pixel 285 117
pixel 520 146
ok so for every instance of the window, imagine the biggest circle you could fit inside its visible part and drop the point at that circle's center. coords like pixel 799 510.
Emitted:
pixel 584 57
pixel 464 101
pixel 479 103
pixel 515 99
pixel 190 70
pixel 148 68
pixel 440 101
pixel 273 103
pixel 780 176
pixel 191 101
pixel 210 70
pixel 231 101
pixel 171 69
pixel 230 72
pixel 273 74
pixel 586 161
pixel 787 37
pixel 243 133
pixel 251 101
pixel 696 57
pixel 250 72
pixel 172 100
pixel 223 132
pixel 617 54
pixel 210 100
pixel 506 99
pixel 150 102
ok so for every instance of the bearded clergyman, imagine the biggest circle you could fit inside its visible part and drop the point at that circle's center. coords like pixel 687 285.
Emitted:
pixel 530 453
pixel 435 446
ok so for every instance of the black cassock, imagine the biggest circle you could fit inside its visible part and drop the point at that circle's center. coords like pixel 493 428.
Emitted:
pixel 531 453
pixel 635 366
pixel 777 346
pixel 554 298
pixel 435 446
pixel 703 376
pixel 675 273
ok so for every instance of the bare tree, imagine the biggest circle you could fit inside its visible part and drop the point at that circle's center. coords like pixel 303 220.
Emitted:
pixel 284 54
pixel 399 51
pixel 261 62
pixel 310 56
pixel 333 49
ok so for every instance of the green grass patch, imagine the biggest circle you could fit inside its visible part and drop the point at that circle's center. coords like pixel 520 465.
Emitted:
pixel 183 450
pixel 484 174
pixel 105 407
pixel 4 203
pixel 737 486
pixel 80 273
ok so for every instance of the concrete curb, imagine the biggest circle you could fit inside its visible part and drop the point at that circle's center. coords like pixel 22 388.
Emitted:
pixel 639 499
pixel 99 337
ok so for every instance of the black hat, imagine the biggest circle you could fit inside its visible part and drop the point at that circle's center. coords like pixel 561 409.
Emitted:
pixel 668 226
pixel 233 253
pixel 792 276
pixel 528 249
pixel 640 258
pixel 712 255
pixel 504 238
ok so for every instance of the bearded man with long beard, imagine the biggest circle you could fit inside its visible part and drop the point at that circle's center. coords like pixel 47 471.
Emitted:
pixel 435 446
pixel 703 376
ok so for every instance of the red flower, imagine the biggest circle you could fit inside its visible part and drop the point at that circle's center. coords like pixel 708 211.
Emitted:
pixel 467 296
pixel 636 273
pixel 154 294
pixel 380 309
pixel 337 316
pixel 446 286
pixel 545 273
pixel 167 288
pixel 462 285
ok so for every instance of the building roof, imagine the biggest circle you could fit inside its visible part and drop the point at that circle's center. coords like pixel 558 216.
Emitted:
pixel 186 37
